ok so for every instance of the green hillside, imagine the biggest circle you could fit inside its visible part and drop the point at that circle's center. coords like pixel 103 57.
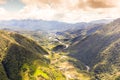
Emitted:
pixel 100 51
pixel 109 65
pixel 23 59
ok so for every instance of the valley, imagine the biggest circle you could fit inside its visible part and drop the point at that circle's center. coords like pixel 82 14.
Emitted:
pixel 59 39
pixel 91 52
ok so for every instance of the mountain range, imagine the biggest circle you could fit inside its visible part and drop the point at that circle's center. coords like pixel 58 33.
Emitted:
pixel 51 50
pixel 32 25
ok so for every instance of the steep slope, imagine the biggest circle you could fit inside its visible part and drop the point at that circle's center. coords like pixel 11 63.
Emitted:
pixel 3 75
pixel 91 45
pixel 22 59
pixel 100 51
pixel 109 65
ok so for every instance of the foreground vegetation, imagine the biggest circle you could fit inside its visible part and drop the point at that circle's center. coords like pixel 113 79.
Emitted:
pixel 23 59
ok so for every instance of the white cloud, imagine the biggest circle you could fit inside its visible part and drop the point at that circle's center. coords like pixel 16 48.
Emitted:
pixel 62 10
pixel 2 1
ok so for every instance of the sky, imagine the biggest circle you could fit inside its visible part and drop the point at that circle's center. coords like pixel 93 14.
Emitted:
pixel 71 11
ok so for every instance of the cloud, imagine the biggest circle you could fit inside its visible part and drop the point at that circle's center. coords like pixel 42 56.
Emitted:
pixel 95 4
pixel 2 1
pixel 100 3
pixel 65 10
pixel 72 4
pixel 2 11
pixel 42 3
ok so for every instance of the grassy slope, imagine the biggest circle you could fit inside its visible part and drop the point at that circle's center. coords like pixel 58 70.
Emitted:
pixel 23 59
pixel 3 75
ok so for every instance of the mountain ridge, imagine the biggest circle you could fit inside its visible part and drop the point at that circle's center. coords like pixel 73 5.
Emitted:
pixel 90 50
pixel 41 24
pixel 23 59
